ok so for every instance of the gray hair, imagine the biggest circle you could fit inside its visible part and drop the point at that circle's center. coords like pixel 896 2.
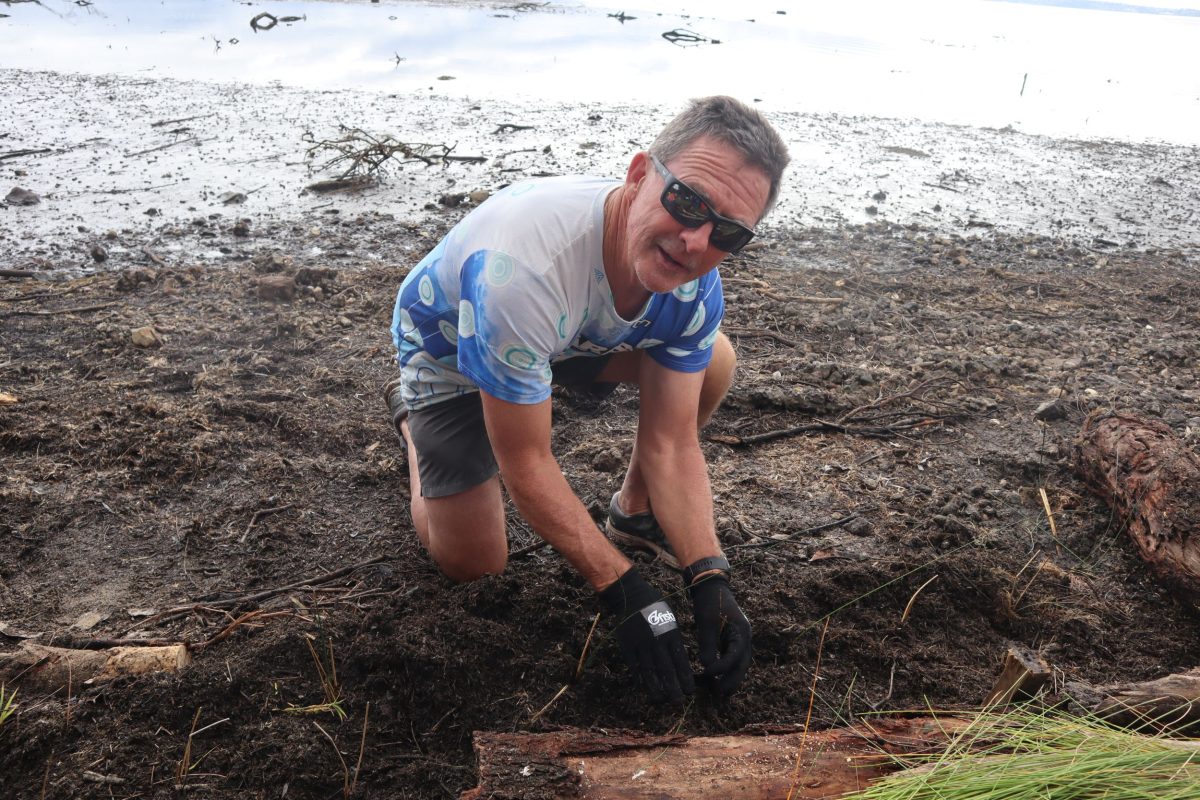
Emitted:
pixel 731 122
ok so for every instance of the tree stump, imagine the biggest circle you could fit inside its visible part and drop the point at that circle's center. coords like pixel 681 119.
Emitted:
pixel 1151 480
pixel 627 765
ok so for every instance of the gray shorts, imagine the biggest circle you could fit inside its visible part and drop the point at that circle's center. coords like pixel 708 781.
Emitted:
pixel 453 450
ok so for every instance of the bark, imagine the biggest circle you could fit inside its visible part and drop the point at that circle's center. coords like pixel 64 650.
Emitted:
pixel 49 668
pixel 623 765
pixel 1170 703
pixel 1151 480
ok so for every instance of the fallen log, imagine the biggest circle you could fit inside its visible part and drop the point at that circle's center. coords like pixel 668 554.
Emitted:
pixel 626 765
pixel 1170 703
pixel 47 669
pixel 1151 480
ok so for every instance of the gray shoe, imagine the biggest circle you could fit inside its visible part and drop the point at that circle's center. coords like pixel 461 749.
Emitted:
pixel 397 411
pixel 639 531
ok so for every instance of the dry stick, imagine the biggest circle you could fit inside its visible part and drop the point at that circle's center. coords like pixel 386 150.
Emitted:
pixel 150 254
pixel 812 695
pixel 19 153
pixel 193 140
pixel 345 769
pixel 912 600
pixel 362 746
pixel 262 512
pixel 527 549
pixel 17 273
pixel 263 595
pixel 29 312
pixel 749 333
pixel 228 630
pixel 161 123
pixel 868 431
pixel 815 529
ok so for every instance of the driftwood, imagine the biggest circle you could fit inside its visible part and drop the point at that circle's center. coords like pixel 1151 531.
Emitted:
pixel 1172 702
pixel 624 765
pixel 1151 480
pixel 50 668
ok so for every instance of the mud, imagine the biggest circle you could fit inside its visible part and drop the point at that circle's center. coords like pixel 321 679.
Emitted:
pixel 249 451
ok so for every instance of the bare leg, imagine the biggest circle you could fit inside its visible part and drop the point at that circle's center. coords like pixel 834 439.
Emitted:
pixel 465 532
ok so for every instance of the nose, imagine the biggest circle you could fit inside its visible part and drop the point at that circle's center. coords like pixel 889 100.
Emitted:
pixel 695 240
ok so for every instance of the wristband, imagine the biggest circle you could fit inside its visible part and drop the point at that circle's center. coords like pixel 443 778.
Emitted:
pixel 690 573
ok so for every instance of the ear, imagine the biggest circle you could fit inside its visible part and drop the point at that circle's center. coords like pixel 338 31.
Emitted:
pixel 638 167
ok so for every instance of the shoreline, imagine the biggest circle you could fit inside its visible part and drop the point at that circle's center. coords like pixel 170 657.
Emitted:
pixel 143 158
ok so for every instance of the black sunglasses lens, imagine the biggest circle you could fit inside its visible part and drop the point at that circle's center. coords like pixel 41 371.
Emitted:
pixel 730 237
pixel 685 205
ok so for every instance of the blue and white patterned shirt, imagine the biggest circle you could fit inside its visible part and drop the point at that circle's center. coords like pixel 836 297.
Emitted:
pixel 519 284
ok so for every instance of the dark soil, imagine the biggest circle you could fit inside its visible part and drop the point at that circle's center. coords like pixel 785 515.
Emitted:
pixel 251 451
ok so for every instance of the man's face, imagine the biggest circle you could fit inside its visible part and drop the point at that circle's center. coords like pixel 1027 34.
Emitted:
pixel 664 253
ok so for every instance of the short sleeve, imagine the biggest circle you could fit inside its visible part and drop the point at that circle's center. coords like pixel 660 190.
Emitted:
pixel 508 327
pixel 700 306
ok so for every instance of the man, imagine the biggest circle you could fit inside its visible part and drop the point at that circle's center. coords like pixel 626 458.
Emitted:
pixel 584 280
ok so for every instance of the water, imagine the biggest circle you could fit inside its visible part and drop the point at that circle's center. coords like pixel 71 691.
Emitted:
pixel 1062 71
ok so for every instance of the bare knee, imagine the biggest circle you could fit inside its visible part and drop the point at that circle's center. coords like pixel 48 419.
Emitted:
pixel 462 570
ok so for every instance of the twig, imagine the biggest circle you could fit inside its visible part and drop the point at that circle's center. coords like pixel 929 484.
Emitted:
pixel 508 127
pixel 345 769
pixel 150 254
pixel 242 620
pixel 161 123
pixel 29 312
pixel 867 431
pixel 17 273
pixel 912 600
pixel 19 153
pixel 751 333
pixel 262 512
pixel 362 746
pixel 263 595
pixel 527 549
pixel 193 140
pixel 807 531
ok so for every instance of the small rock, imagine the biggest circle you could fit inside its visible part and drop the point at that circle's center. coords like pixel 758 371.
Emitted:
pixel 276 287
pixel 872 210
pixel 453 199
pixel 146 337
pixel 1050 410
pixel 272 262
pixel 859 527
pixel 479 195
pixel 22 197
pixel 241 227
pixel 608 460
pixel 879 196
pixel 99 254
pixel 232 198
pixel 151 212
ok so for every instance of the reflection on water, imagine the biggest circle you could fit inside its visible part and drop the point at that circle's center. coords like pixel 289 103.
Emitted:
pixel 1057 70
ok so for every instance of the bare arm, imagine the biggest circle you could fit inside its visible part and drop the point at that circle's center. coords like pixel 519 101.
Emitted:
pixel 668 450
pixel 520 436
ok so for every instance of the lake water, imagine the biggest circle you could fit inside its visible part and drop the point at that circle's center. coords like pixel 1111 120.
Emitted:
pixel 1059 70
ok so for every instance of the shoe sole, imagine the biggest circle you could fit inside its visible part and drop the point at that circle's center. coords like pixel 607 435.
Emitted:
pixel 638 543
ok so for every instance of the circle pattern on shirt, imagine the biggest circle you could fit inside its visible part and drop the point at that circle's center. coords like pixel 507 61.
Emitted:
pixel 697 321
pixel 466 319
pixel 500 269
pixel 688 291
pixel 518 356
pixel 448 331
pixel 425 290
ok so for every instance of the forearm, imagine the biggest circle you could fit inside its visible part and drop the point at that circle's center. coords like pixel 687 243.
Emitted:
pixel 548 504
pixel 676 476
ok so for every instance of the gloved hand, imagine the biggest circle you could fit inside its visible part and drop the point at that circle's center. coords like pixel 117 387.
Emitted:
pixel 649 637
pixel 722 630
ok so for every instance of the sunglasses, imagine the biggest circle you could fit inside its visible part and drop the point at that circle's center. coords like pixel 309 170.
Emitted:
pixel 689 208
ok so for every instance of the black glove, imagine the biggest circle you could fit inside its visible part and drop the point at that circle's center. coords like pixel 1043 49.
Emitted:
pixel 649 637
pixel 722 630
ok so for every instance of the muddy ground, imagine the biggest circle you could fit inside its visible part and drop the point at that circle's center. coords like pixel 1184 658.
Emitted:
pixel 247 451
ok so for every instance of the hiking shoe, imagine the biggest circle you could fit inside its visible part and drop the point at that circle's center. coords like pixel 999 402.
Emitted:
pixel 397 411
pixel 639 531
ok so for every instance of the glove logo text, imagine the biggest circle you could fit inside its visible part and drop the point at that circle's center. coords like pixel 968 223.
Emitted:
pixel 657 618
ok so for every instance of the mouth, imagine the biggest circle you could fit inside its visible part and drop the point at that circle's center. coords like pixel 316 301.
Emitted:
pixel 671 262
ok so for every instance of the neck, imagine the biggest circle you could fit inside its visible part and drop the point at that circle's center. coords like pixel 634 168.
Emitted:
pixel 628 294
